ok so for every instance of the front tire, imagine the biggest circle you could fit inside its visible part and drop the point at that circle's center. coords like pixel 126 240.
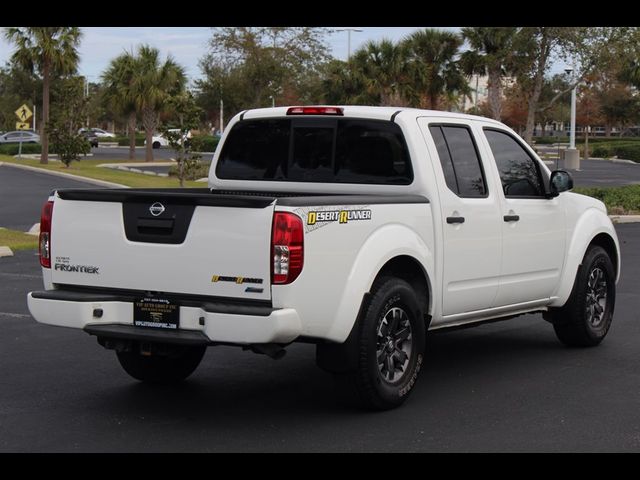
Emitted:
pixel 172 368
pixel 586 317
pixel 155 145
pixel 390 348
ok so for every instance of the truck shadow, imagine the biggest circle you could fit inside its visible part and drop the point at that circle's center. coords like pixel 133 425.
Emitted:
pixel 231 385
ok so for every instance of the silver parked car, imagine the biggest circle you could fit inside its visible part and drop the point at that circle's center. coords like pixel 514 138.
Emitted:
pixel 24 136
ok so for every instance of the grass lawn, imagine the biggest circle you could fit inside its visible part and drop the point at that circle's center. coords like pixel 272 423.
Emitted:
pixel 88 167
pixel 619 200
pixel 17 240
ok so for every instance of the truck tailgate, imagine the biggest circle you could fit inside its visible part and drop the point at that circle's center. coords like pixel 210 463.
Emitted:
pixel 170 242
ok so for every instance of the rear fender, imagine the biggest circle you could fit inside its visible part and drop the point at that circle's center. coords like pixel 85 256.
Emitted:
pixel 384 244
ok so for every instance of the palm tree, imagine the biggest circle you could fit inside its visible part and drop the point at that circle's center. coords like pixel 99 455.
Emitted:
pixel 51 51
pixel 382 65
pixel 345 84
pixel 434 63
pixel 491 54
pixel 152 86
pixel 117 81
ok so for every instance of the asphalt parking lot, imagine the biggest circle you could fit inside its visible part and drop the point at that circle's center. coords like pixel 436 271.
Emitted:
pixel 22 195
pixel 507 386
pixel 602 173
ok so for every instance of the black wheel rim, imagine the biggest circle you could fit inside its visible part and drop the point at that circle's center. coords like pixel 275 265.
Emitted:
pixel 596 303
pixel 393 345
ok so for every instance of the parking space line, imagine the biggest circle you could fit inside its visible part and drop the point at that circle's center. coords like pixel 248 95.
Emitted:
pixel 20 275
pixel 14 315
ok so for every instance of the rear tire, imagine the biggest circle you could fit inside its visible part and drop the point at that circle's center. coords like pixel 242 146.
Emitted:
pixel 586 317
pixel 162 368
pixel 155 145
pixel 390 347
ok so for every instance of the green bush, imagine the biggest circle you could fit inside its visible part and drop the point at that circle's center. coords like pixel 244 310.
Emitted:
pixel 27 148
pixel 608 139
pixel 124 141
pixel 628 152
pixel 619 200
pixel 201 171
pixel 68 146
pixel 204 143
pixel 601 151
pixel 620 148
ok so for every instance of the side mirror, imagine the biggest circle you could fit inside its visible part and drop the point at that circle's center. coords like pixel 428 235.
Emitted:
pixel 560 181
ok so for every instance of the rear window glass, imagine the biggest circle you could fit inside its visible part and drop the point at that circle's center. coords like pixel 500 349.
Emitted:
pixel 316 150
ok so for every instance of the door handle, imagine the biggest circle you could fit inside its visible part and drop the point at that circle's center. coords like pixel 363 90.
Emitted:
pixel 511 218
pixel 455 220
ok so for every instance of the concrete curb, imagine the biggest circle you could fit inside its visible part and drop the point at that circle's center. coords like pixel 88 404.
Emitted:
pixel 625 218
pixel 52 156
pixel 130 167
pixel 5 252
pixel 136 164
pixel 93 181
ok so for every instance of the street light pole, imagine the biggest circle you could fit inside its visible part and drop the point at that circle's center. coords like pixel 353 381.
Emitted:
pixel 349 30
pixel 572 139
pixel 572 157
pixel 221 116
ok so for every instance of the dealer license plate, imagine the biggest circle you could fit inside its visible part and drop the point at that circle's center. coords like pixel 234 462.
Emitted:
pixel 151 312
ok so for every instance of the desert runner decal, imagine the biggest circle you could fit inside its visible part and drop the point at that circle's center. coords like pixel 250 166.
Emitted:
pixel 238 280
pixel 342 216
pixel 317 217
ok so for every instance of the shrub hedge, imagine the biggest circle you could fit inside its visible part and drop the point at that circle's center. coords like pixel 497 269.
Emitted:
pixel 204 143
pixel 27 148
pixel 124 141
pixel 619 200
pixel 201 171
pixel 622 149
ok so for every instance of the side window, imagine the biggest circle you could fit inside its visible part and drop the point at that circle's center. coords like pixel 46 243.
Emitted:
pixel 519 173
pixel 460 160
pixel 445 158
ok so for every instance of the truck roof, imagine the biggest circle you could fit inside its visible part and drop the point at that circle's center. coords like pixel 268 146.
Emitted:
pixel 380 113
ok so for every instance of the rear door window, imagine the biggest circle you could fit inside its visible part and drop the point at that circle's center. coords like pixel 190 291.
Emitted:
pixel 460 160
pixel 316 150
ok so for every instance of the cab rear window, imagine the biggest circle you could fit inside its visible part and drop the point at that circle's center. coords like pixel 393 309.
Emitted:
pixel 316 150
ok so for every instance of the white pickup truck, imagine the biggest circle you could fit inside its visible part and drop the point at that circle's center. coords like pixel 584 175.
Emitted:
pixel 357 229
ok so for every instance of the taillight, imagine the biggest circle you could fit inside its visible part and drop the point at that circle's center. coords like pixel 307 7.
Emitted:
pixel 45 234
pixel 287 247
pixel 315 111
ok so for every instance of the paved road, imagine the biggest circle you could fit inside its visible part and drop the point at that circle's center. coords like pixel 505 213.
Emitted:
pixel 22 194
pixel 603 173
pixel 507 386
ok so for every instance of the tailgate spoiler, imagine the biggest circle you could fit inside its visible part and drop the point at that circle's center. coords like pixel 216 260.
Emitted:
pixel 176 196
pixel 225 198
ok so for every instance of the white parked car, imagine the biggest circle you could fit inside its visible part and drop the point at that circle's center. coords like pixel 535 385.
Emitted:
pixel 98 132
pixel 24 136
pixel 358 229
pixel 158 140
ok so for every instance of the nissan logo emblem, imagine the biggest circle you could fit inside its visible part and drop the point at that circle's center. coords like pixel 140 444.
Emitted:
pixel 156 209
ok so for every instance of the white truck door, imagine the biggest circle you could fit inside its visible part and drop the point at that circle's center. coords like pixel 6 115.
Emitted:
pixel 471 219
pixel 533 226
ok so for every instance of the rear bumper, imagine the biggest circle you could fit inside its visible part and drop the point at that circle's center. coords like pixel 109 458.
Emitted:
pixel 213 322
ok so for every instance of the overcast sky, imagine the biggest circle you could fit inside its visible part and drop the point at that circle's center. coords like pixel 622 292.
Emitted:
pixel 187 44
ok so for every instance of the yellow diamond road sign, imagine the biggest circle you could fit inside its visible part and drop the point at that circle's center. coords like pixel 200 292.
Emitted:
pixel 22 126
pixel 23 113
